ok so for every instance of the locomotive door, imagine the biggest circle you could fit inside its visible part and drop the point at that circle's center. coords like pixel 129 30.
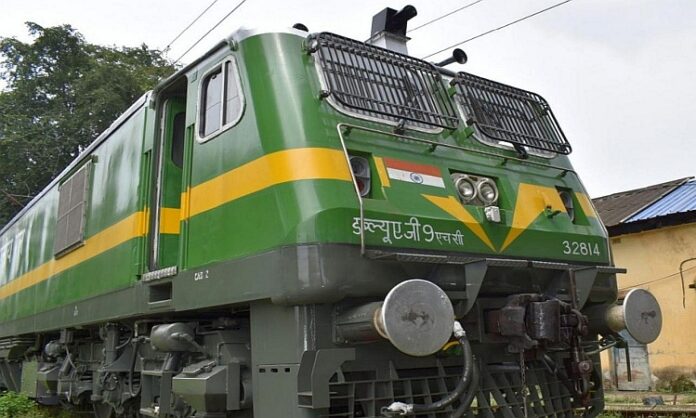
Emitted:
pixel 166 217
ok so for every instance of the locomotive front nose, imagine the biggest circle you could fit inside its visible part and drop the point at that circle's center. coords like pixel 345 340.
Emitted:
pixel 416 316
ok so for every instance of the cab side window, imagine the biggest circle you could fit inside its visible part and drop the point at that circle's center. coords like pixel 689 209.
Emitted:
pixel 222 102
pixel 212 102
pixel 178 133
pixel 233 102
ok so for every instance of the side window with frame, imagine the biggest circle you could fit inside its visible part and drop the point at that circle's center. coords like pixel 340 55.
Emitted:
pixel 72 203
pixel 211 109
pixel 5 258
pixel 221 100
pixel 178 133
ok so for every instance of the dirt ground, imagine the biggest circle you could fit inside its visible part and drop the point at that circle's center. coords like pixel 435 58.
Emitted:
pixel 631 397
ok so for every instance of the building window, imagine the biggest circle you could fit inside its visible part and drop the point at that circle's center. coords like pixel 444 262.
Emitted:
pixel 70 226
pixel 221 100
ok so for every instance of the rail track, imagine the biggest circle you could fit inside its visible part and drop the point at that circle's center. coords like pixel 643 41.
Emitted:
pixel 633 410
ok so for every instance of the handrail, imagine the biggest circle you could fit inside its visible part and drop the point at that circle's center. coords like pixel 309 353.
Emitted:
pixel 355 187
pixel 435 144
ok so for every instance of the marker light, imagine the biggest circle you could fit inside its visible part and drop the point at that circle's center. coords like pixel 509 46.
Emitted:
pixel 567 200
pixel 361 172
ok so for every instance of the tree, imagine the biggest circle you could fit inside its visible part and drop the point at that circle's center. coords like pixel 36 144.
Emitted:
pixel 60 94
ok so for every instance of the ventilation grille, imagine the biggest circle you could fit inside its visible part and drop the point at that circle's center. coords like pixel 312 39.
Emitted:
pixel 379 83
pixel 510 115
pixel 71 211
pixel 362 394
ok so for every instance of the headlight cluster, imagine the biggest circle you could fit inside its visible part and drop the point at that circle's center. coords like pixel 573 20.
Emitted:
pixel 475 190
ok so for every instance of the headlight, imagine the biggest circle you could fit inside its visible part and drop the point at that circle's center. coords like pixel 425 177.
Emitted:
pixel 487 191
pixel 466 189
pixel 476 190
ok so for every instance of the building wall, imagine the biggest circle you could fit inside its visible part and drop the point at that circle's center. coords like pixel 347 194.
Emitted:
pixel 656 254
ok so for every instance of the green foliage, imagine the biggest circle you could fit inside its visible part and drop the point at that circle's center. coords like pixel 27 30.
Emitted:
pixel 15 405
pixel 60 93
pixel 681 384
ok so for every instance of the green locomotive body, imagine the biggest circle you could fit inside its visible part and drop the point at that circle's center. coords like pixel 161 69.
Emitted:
pixel 224 247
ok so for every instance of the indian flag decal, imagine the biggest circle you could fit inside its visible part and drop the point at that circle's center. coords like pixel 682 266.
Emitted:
pixel 428 175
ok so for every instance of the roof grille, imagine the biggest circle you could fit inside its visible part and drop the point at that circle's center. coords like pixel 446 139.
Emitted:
pixel 508 114
pixel 379 83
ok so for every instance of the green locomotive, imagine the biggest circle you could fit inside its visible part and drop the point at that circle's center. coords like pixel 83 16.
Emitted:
pixel 304 225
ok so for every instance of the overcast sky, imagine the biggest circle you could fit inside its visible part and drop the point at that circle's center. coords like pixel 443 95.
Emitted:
pixel 620 75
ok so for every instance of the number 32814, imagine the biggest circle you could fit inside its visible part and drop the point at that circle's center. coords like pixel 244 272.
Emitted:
pixel 580 248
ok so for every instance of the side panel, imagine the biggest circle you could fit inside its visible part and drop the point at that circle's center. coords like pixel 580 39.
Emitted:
pixel 111 257
pixel 275 170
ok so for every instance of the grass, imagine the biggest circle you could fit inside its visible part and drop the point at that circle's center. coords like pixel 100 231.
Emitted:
pixel 17 405
pixel 609 415
pixel 14 405
pixel 611 398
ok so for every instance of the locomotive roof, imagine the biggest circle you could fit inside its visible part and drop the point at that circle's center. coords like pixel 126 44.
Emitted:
pixel 237 36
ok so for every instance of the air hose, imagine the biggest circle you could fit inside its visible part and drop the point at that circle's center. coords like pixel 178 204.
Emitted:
pixel 471 392
pixel 401 408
